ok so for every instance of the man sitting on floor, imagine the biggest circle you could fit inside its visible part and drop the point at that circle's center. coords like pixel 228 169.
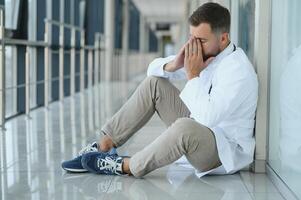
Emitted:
pixel 210 122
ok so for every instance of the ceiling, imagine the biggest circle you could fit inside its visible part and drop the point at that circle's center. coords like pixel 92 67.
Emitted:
pixel 162 11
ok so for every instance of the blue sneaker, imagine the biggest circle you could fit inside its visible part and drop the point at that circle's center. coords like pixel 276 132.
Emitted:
pixel 75 164
pixel 101 163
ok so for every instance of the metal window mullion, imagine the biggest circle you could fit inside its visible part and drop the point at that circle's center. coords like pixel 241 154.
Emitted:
pixel 96 59
pixel 82 61
pixel 15 81
pixel 46 63
pixel 102 58
pixel 90 66
pixel 32 36
pixel 61 64
pixel 72 63
pixel 27 82
pixel 49 8
pixel 33 76
pixel 61 50
pixel 125 41
pixel 2 71
pixel 99 57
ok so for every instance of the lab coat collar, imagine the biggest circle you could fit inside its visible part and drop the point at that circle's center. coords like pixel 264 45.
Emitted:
pixel 227 51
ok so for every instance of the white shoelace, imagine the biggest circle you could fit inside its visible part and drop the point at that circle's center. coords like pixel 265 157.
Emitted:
pixel 88 148
pixel 110 165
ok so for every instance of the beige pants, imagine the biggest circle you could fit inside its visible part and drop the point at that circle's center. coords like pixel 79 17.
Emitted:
pixel 184 136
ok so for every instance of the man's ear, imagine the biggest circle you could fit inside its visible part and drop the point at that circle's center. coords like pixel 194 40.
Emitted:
pixel 224 38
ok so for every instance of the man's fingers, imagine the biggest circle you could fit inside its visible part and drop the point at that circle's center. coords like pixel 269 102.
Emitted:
pixel 195 47
pixel 182 50
pixel 183 47
pixel 187 42
pixel 200 50
pixel 190 47
pixel 186 51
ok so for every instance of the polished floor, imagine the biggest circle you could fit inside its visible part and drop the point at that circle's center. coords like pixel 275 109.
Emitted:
pixel 33 147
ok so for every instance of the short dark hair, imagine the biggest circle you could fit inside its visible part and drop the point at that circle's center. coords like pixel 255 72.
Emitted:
pixel 217 16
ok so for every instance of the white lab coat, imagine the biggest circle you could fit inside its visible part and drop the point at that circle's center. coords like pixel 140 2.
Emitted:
pixel 229 109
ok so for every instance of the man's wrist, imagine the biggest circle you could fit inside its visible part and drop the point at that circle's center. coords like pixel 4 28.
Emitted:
pixel 192 77
pixel 168 67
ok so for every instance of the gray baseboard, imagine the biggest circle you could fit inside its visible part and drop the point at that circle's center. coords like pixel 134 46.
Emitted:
pixel 258 166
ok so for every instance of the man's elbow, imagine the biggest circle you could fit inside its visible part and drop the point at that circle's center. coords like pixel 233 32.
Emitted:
pixel 148 72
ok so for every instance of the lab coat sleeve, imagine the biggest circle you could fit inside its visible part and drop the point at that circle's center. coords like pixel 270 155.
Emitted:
pixel 229 91
pixel 155 68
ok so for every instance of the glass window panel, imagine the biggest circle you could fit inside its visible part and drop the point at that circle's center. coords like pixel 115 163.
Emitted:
pixel 12 8
pixel 285 96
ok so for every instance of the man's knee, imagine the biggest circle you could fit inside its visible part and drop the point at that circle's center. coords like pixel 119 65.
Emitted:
pixel 187 123
pixel 154 80
pixel 189 129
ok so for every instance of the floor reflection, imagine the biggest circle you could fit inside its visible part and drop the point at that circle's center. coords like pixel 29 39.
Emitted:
pixel 33 148
pixel 31 152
